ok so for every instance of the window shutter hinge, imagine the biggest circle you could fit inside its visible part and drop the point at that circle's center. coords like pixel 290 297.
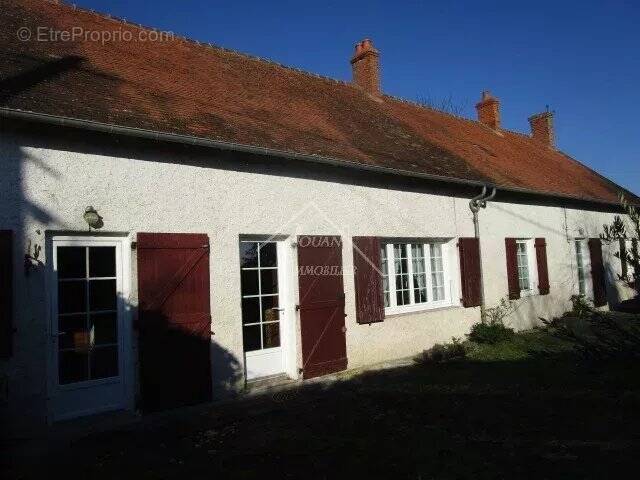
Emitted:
pixel 297 307
pixel 134 245
pixel 294 244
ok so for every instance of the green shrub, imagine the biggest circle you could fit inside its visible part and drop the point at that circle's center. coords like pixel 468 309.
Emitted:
pixel 491 328
pixel 581 307
pixel 490 333
pixel 443 352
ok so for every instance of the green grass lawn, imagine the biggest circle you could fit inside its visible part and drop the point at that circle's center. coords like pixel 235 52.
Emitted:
pixel 549 403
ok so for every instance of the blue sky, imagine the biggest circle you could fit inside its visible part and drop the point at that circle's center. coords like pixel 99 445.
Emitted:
pixel 580 58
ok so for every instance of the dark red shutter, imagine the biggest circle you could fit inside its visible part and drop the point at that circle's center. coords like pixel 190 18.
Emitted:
pixel 541 260
pixel 512 268
pixel 597 272
pixel 174 319
pixel 6 293
pixel 470 271
pixel 367 271
pixel 321 290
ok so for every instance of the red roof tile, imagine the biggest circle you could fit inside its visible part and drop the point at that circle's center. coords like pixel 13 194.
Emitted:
pixel 181 86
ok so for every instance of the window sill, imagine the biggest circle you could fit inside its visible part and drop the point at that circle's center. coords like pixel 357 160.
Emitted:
pixel 418 311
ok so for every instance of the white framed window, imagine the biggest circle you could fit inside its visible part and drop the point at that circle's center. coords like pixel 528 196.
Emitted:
pixel 527 268
pixel 583 268
pixel 416 275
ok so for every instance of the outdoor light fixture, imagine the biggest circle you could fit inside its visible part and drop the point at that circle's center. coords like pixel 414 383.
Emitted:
pixel 92 218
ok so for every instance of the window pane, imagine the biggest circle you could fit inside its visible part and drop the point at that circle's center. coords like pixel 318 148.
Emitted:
pixel 102 295
pixel 402 276
pixel 250 310
pixel 385 274
pixel 420 290
pixel 269 306
pixel 269 281
pixel 102 261
pixel 419 275
pixel 417 251
pixel 580 264
pixel 436 258
pixel 268 255
pixel 71 262
pixel 402 297
pixel 105 328
pixel 249 282
pixel 400 254
pixel 523 266
pixel 104 362
pixel 72 296
pixel 248 254
pixel 271 335
pixel 73 330
pixel 402 282
pixel 73 366
pixel 437 272
pixel 251 338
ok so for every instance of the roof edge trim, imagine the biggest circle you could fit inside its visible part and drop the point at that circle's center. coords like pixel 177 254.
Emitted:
pixel 101 127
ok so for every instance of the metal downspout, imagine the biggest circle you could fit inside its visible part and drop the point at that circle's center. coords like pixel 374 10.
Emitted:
pixel 475 204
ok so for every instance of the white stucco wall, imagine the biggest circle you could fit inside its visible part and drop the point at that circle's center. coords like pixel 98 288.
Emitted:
pixel 46 190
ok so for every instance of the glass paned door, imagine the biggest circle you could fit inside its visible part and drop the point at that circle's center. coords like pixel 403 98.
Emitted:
pixel 87 313
pixel 260 273
pixel 90 339
pixel 260 302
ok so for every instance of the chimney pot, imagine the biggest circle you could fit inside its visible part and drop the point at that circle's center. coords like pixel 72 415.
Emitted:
pixel 489 110
pixel 542 128
pixel 366 67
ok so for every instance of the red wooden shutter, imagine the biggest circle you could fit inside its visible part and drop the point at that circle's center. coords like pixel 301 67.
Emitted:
pixel 470 271
pixel 174 319
pixel 368 280
pixel 597 272
pixel 541 260
pixel 512 268
pixel 6 293
pixel 321 290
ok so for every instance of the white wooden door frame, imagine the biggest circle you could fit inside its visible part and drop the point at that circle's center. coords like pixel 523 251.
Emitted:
pixel 288 334
pixel 125 356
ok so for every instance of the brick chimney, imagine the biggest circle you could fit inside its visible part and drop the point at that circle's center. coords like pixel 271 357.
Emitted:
pixel 489 110
pixel 542 128
pixel 366 67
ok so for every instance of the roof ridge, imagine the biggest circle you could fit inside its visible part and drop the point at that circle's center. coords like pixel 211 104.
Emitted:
pixel 198 43
pixel 456 116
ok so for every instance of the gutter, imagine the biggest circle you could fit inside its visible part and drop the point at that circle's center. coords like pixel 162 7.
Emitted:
pixel 142 133
pixel 475 204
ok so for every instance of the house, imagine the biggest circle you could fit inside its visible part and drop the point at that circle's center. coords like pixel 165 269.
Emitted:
pixel 179 219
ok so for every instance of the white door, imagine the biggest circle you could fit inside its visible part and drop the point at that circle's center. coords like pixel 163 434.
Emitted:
pixel 89 350
pixel 263 307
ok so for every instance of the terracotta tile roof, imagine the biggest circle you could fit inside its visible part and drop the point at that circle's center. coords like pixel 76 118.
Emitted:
pixel 181 86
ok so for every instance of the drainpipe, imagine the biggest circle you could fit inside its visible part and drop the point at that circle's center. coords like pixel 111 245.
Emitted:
pixel 475 204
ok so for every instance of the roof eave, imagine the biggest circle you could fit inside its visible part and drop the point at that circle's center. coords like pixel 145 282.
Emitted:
pixel 101 127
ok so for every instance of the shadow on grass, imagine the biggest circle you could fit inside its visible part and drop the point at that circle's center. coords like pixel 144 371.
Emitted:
pixel 554 413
